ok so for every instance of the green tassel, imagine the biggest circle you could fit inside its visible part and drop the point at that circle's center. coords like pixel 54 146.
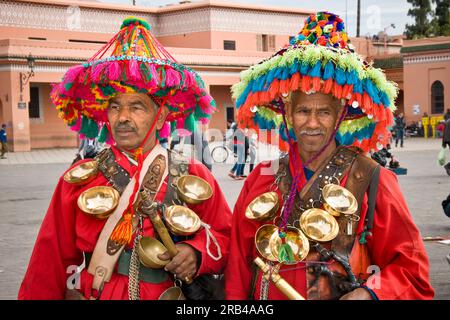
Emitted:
pixel 103 133
pixel 68 86
pixel 286 255
pixel 84 125
pixel 145 72
pixel 190 123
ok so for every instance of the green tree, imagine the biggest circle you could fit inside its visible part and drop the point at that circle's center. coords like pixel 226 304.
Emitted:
pixel 441 19
pixel 420 11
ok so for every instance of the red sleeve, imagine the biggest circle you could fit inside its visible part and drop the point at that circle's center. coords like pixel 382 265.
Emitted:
pixel 54 250
pixel 216 213
pixel 396 247
pixel 238 273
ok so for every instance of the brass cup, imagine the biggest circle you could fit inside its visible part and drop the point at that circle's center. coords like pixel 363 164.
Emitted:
pixel 193 190
pixel 295 239
pixel 82 173
pixel 99 202
pixel 319 225
pixel 181 221
pixel 262 241
pixel 338 200
pixel 172 293
pixel 148 250
pixel 263 207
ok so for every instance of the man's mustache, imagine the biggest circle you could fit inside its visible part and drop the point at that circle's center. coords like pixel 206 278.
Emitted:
pixel 314 132
pixel 124 127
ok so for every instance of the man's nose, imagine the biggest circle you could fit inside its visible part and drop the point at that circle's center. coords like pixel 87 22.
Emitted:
pixel 124 114
pixel 313 121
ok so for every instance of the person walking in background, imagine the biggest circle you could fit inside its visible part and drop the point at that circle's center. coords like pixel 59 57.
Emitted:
pixel 240 142
pixel 446 142
pixel 399 129
pixel 3 141
pixel 447 115
pixel 253 150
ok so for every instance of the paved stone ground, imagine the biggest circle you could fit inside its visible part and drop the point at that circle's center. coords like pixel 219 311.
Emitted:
pixel 27 185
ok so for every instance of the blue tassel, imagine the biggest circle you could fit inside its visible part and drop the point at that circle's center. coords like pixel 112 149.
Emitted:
pixel 340 77
pixel 328 71
pixel 358 87
pixel 315 71
pixel 304 68
pixel 285 73
pixel 385 99
pixel 271 76
pixel 352 77
pixel 294 68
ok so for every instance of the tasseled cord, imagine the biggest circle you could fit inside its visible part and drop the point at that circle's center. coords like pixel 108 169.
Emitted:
pixel 123 232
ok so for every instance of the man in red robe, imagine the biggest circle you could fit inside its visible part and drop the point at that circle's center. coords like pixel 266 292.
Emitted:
pixel 134 119
pixel 378 252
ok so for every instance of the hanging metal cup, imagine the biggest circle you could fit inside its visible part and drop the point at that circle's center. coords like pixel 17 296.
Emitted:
pixel 263 207
pixel 338 200
pixel 173 293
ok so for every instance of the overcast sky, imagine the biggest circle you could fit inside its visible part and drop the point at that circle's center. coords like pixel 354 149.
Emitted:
pixel 376 14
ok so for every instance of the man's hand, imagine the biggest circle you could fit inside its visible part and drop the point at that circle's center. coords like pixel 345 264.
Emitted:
pixel 184 264
pixel 357 294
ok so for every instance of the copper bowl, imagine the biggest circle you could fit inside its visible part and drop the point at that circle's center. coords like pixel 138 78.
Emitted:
pixel 99 202
pixel 262 241
pixel 82 173
pixel 148 249
pixel 319 225
pixel 338 200
pixel 193 190
pixel 263 207
pixel 181 221
pixel 296 240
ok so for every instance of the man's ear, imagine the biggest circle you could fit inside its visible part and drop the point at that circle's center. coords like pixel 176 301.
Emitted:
pixel 162 118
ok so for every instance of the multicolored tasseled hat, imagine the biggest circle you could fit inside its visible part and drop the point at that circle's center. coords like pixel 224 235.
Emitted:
pixel 320 59
pixel 138 63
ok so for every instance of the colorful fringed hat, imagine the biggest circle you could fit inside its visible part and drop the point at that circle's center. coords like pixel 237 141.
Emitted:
pixel 138 63
pixel 320 59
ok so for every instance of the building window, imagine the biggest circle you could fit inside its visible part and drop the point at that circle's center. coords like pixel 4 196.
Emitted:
pixel 437 97
pixel 229 45
pixel 265 42
pixel 34 110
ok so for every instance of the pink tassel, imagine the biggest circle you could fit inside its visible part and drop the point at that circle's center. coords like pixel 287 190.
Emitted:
pixel 188 79
pixel 165 130
pixel 173 78
pixel 73 73
pixel 203 120
pixel 113 70
pixel 183 133
pixel 155 76
pixel 134 73
pixel 205 103
pixel 97 72
pixel 77 126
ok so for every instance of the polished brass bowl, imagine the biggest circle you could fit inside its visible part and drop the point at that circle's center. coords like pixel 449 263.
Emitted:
pixel 148 250
pixel 99 201
pixel 193 190
pixel 295 239
pixel 262 241
pixel 181 221
pixel 263 207
pixel 338 200
pixel 82 173
pixel 172 293
pixel 319 225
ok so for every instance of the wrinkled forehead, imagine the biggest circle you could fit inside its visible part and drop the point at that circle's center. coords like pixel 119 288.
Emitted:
pixel 132 98
pixel 314 100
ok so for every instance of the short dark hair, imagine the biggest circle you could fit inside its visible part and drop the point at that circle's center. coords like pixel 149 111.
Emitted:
pixel 3 125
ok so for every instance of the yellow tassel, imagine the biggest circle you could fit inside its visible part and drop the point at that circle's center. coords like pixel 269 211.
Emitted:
pixel 123 232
